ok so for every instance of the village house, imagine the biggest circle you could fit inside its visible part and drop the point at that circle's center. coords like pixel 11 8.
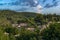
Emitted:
pixel 21 24
pixel 6 33
pixel 14 25
pixel 31 29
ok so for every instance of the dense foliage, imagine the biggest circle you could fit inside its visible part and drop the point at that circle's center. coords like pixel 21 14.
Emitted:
pixel 8 32
pixel 52 32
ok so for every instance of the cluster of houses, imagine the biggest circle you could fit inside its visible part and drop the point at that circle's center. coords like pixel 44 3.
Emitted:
pixel 23 24
pixel 20 25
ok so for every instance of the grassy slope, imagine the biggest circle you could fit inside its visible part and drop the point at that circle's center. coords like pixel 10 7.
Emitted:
pixel 4 14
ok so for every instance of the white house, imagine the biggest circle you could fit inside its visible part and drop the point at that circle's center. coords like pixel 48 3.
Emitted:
pixel 20 25
pixel 31 29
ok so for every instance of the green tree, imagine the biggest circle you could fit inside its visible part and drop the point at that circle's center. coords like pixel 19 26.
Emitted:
pixel 51 33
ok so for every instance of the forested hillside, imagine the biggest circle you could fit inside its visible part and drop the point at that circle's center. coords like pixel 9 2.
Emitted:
pixel 28 26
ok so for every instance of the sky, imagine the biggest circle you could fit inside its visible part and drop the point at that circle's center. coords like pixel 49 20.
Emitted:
pixel 39 6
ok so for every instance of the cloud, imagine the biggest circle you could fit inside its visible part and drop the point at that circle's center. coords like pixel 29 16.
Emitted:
pixel 44 1
pixel 35 1
pixel 54 4
pixel 53 0
pixel 18 2
pixel 21 5
pixel 52 10
pixel 31 5
pixel 39 7
pixel 48 5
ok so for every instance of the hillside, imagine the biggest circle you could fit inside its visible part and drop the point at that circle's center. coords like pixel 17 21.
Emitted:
pixel 8 16
pixel 15 15
pixel 9 12
pixel 28 26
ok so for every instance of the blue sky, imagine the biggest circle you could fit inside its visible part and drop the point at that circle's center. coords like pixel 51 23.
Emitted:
pixel 40 6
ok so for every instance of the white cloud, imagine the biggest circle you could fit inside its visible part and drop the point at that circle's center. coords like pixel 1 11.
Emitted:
pixel 23 5
pixel 51 10
pixel 39 7
pixel 36 1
